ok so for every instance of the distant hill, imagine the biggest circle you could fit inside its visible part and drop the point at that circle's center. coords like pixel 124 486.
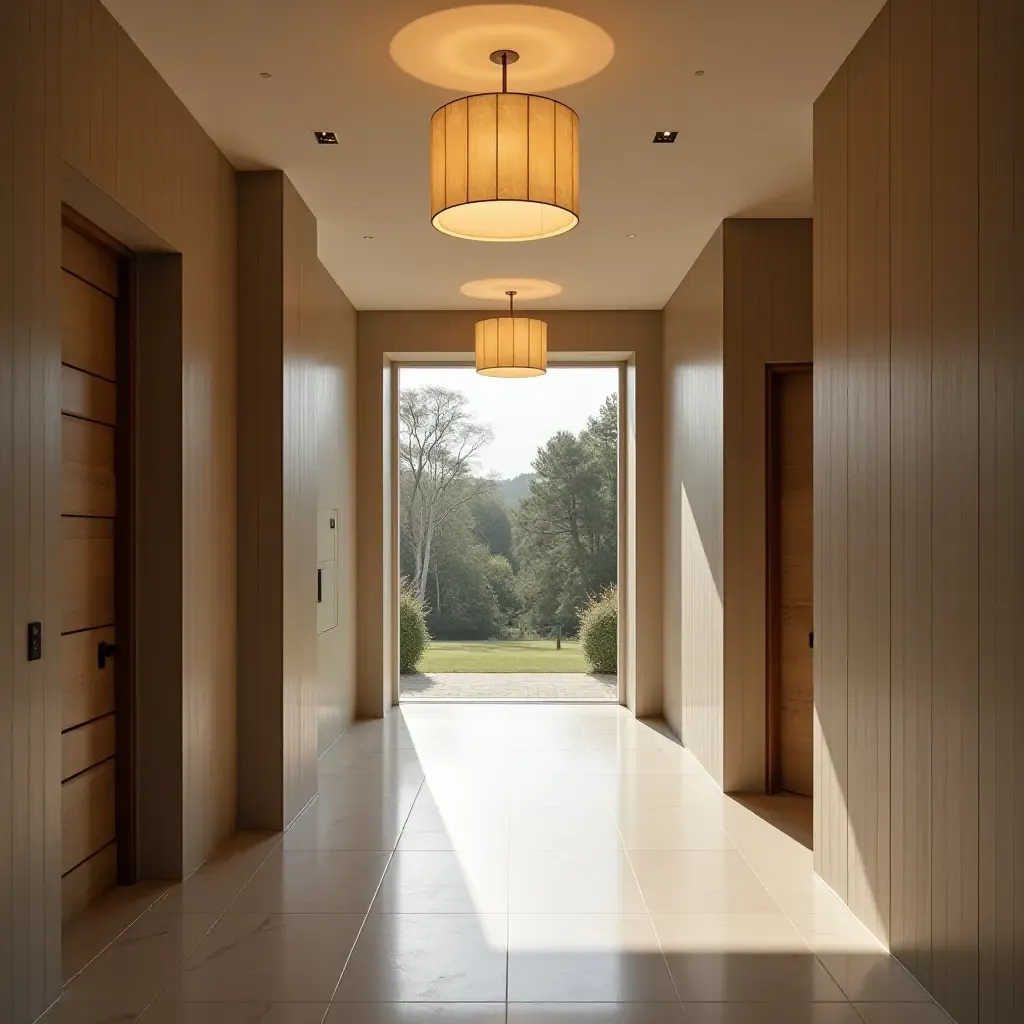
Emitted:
pixel 514 490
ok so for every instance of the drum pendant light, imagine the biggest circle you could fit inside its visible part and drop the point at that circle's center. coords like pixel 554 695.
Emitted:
pixel 511 346
pixel 504 167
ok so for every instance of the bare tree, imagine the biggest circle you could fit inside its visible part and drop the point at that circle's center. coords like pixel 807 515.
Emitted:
pixel 438 440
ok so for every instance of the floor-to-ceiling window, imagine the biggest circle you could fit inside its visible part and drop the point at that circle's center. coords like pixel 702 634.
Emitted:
pixel 508 533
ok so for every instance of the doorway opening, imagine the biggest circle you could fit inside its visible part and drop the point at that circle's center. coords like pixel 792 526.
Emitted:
pixel 790 591
pixel 508 527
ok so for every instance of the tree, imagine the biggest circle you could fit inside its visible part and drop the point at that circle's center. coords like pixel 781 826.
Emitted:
pixel 438 440
pixel 460 602
pixel 566 529
pixel 501 579
pixel 491 521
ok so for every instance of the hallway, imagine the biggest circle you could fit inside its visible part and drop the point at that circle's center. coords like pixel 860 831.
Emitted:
pixel 481 864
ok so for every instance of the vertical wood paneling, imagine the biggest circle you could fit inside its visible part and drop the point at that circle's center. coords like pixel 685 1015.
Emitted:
pixel 954 430
pixel 299 499
pixel 951 186
pixel 1001 507
pixel 29 508
pixel 335 327
pixel 830 486
pixel 296 451
pixel 910 376
pixel 693 351
pixel 260 467
pixel 868 477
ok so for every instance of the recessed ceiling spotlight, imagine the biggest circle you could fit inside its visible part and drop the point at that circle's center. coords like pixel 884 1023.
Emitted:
pixel 631 236
pixel 265 74
pixel 699 73
pixel 326 138
pixel 665 136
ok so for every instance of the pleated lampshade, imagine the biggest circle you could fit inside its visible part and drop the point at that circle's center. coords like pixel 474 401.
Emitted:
pixel 504 167
pixel 511 346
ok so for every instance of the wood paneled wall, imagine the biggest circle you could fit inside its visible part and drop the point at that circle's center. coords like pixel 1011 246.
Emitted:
pixel 694 580
pixel 30 456
pixel 296 455
pixel 919 576
pixel 335 326
pixel 745 303
pixel 126 134
pixel 260 505
pixel 408 334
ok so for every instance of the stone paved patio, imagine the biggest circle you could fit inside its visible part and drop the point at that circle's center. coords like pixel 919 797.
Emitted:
pixel 554 686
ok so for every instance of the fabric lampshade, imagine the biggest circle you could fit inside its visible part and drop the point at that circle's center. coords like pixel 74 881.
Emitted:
pixel 511 346
pixel 504 167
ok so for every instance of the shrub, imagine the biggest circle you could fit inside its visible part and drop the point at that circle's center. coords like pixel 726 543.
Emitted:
pixel 599 632
pixel 412 636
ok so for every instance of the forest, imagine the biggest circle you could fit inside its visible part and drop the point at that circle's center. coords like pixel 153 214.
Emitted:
pixel 492 558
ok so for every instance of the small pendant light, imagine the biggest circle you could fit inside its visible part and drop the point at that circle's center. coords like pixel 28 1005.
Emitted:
pixel 511 346
pixel 504 167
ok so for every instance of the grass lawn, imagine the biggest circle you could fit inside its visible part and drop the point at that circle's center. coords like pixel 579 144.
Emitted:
pixel 502 656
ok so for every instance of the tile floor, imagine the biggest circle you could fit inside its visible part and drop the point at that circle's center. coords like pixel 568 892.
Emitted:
pixel 496 865
pixel 509 686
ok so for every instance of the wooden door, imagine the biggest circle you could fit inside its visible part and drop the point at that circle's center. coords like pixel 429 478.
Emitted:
pixel 790 584
pixel 89 297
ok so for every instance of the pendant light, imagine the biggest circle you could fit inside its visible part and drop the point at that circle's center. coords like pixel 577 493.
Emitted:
pixel 504 167
pixel 511 346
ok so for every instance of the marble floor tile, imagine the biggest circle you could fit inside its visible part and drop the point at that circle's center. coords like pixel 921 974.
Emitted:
pixel 267 958
pixel 572 882
pixel 427 958
pixel 235 1013
pixel 444 882
pixel 902 1013
pixel 595 1013
pixel 137 965
pixel 416 1013
pixel 313 882
pixel 586 958
pixel 742 958
pixel 699 882
pixel 770 1013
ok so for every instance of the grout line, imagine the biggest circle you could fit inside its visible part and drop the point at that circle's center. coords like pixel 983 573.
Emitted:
pixel 376 892
pixel 636 881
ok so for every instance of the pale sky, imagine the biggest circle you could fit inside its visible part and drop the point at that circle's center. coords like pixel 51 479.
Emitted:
pixel 522 413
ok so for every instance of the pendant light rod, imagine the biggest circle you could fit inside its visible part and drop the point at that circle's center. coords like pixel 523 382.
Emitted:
pixel 510 298
pixel 504 58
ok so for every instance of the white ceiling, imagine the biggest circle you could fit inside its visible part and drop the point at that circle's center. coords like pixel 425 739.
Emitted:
pixel 744 146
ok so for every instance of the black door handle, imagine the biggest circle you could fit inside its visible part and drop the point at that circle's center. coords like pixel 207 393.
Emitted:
pixel 104 651
pixel 319 586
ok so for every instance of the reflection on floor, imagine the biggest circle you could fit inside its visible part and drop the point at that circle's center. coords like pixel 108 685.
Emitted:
pixel 503 863
pixel 509 686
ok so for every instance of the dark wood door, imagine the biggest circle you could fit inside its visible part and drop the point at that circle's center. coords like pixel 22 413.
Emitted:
pixel 89 520
pixel 791 586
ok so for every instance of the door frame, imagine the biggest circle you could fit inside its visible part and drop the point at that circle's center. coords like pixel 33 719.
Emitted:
pixel 624 363
pixel 774 373
pixel 125 548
